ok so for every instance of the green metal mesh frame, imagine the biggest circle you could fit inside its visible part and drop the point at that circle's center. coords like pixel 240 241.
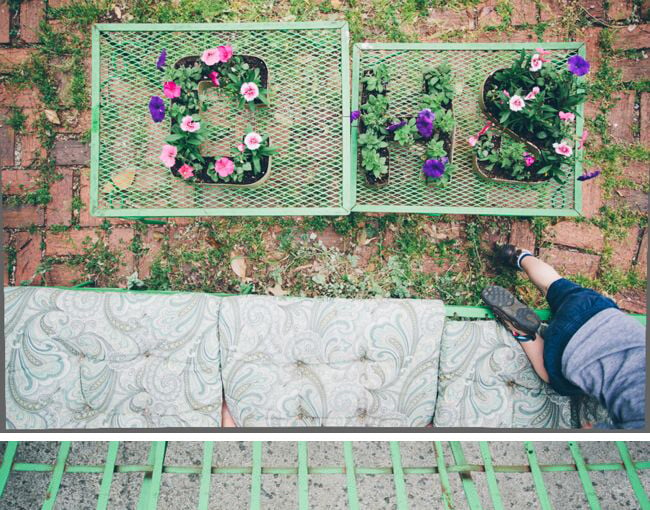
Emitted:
pixel 439 469
pixel 308 119
pixel 467 193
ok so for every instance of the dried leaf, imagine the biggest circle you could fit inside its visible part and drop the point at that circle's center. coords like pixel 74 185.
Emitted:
pixel 124 179
pixel 108 187
pixel 118 12
pixel 53 117
pixel 238 265
pixel 277 290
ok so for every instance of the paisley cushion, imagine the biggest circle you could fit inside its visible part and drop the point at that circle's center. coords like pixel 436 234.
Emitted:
pixel 330 362
pixel 486 380
pixel 86 359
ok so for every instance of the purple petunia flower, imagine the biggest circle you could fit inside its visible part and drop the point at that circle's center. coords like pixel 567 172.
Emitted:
pixel 434 167
pixel 162 59
pixel 396 126
pixel 589 175
pixel 578 65
pixel 424 123
pixel 157 108
pixel 355 115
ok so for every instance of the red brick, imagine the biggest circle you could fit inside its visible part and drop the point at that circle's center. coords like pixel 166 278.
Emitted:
pixel 331 239
pixel 642 257
pixel 620 9
pixel 31 150
pixel 71 153
pixel 57 4
pixel 632 300
pixel 487 14
pixel 442 20
pixel 621 117
pixel 60 244
pixel 7 146
pixel 624 250
pixel 594 8
pixel 550 10
pixel 32 12
pixel 4 22
pixel 634 69
pixel 12 57
pixel 637 172
pixel 632 37
pixel 64 275
pixel 591 37
pixel 23 216
pixel 28 256
pixel 571 262
pixel 523 11
pixel 633 199
pixel 575 235
pixel 592 197
pixel 153 242
pixel 59 210
pixel 645 119
pixel 644 10
pixel 17 182
pixel 3 257
pixel 120 242
pixel 522 235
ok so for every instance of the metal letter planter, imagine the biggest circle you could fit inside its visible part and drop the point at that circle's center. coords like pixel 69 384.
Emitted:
pixel 467 193
pixel 308 120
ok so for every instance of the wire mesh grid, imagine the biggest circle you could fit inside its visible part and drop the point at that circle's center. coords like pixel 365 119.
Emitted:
pixel 308 101
pixel 462 475
pixel 467 193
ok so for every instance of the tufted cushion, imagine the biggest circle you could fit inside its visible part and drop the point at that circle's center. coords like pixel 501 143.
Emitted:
pixel 330 362
pixel 88 359
pixel 486 380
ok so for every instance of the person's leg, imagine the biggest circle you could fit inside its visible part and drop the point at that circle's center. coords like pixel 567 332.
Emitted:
pixel 226 417
pixel 543 275
pixel 534 350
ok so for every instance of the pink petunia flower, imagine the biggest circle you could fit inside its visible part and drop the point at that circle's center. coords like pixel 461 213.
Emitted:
pixel 186 171
pixel 472 140
pixel 517 103
pixel 563 148
pixel 532 94
pixel 187 124
pixel 536 62
pixel 249 90
pixel 210 57
pixel 529 159
pixel 224 167
pixel 543 54
pixel 506 93
pixel 567 116
pixel 253 140
pixel 214 78
pixel 225 53
pixel 583 139
pixel 241 147
pixel 168 155
pixel 171 90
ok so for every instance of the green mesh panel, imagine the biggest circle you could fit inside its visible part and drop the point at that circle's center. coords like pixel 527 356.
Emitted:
pixel 467 193
pixel 309 100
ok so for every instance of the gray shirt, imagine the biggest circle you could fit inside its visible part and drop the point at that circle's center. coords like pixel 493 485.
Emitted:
pixel 606 359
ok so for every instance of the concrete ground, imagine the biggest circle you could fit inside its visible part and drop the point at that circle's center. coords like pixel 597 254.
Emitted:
pixel 26 491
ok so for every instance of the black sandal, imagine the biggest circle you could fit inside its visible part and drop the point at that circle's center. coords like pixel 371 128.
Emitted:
pixel 507 307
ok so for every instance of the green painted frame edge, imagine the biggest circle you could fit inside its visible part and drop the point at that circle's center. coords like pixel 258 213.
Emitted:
pixel 488 211
pixel 453 311
pixel 346 198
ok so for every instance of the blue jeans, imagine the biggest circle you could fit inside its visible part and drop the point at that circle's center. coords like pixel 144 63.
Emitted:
pixel 571 307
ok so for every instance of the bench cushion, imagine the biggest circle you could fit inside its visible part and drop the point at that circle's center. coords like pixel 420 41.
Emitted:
pixel 91 359
pixel 486 380
pixel 330 362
